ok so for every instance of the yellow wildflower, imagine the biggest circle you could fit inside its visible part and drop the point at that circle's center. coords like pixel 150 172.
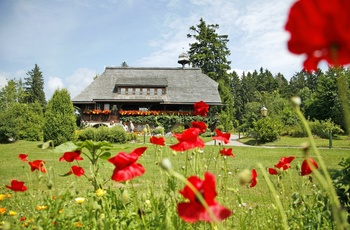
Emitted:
pixel 80 200
pixel 2 196
pixel 9 195
pixel 41 207
pixel 100 192
pixel 60 211
pixel 12 213
pixel 2 210
pixel 78 224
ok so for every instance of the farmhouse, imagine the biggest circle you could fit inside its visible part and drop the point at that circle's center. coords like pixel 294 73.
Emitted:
pixel 144 91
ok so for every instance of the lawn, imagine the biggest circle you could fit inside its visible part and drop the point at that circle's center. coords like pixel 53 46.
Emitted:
pixel 253 208
pixel 286 141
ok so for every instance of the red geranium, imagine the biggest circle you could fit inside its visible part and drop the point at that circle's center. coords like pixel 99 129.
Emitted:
pixel 23 157
pixel 37 165
pixel 76 170
pixel 193 210
pixel 254 180
pixel 17 186
pixel 188 140
pixel 220 136
pixel 226 152
pixel 71 156
pixel 199 125
pixel 157 140
pixel 200 108
pixel 305 167
pixel 125 164
pixel 320 29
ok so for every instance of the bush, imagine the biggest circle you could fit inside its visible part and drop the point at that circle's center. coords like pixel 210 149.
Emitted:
pixel 297 130
pixel 179 129
pixel 158 131
pixel 267 129
pixel 21 122
pixel 115 134
pixel 324 127
pixel 341 180
pixel 60 124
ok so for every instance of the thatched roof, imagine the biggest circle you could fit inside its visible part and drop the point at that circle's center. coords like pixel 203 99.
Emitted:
pixel 183 86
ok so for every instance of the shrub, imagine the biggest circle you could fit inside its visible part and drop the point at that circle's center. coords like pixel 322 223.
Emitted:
pixel 158 131
pixel 324 127
pixel 179 129
pixel 297 131
pixel 87 134
pixel 59 123
pixel 267 129
pixel 102 133
pixel 21 122
pixel 341 180
pixel 115 134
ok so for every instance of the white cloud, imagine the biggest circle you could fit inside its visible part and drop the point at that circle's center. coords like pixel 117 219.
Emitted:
pixel 3 81
pixel 51 85
pixel 79 80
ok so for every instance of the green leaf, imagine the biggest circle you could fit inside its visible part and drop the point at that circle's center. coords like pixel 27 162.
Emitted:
pixel 47 144
pixel 66 147
pixel 64 175
pixel 105 155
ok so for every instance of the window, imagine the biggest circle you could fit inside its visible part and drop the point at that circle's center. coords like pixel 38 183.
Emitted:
pixel 159 91
pixel 98 106
pixel 137 91
pixel 144 91
pixel 130 91
pixel 106 107
pixel 151 91
pixel 122 90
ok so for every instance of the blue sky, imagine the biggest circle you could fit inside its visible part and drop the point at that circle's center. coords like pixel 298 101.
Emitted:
pixel 73 40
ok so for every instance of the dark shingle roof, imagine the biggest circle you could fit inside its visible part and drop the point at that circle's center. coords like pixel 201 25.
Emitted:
pixel 184 86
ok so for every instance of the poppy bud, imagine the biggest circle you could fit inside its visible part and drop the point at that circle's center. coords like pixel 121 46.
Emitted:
pixel 166 164
pixel 125 197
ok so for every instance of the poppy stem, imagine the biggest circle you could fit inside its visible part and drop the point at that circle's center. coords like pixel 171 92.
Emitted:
pixel 326 181
pixel 275 196
pixel 342 88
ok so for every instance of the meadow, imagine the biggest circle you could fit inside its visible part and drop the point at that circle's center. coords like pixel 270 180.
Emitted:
pixel 55 200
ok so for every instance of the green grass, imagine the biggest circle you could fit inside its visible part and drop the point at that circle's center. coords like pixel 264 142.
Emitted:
pixel 286 141
pixel 154 184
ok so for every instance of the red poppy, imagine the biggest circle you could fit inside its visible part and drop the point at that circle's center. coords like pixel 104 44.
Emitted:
pixel 254 180
pixel 17 186
pixel 188 140
pixel 284 163
pixel 157 140
pixel 23 157
pixel 199 125
pixel 193 210
pixel 305 167
pixel 76 170
pixel 320 29
pixel 273 171
pixel 37 165
pixel 220 136
pixel 200 108
pixel 125 164
pixel 226 152
pixel 71 156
